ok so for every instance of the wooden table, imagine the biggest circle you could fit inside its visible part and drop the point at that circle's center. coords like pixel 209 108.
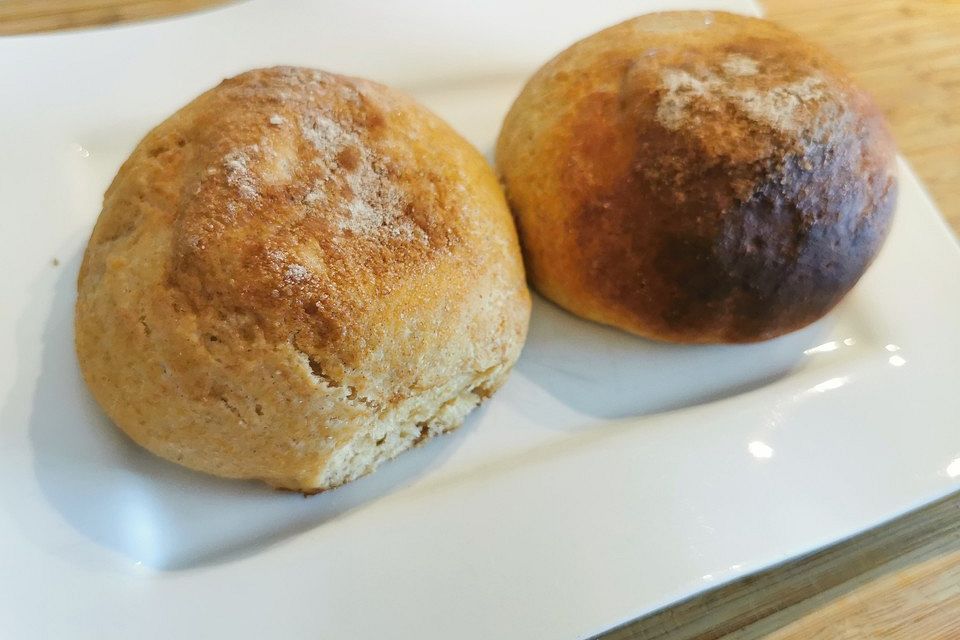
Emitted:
pixel 902 580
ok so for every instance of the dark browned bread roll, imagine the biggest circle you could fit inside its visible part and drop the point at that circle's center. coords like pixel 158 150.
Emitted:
pixel 697 177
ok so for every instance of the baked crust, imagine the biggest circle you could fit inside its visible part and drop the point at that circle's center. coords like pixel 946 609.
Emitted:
pixel 697 177
pixel 297 276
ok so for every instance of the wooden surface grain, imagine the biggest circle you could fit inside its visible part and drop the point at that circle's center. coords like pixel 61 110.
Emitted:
pixel 900 581
pixel 907 54
pixel 31 16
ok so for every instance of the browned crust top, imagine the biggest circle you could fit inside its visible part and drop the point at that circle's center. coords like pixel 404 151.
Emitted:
pixel 302 200
pixel 316 197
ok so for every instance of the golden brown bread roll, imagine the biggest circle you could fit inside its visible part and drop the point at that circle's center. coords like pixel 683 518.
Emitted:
pixel 697 177
pixel 296 277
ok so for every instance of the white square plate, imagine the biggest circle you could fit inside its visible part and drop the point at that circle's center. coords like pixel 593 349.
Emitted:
pixel 609 477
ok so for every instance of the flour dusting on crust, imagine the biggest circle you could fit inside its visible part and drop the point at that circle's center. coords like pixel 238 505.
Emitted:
pixel 737 65
pixel 373 203
pixel 239 175
pixel 777 106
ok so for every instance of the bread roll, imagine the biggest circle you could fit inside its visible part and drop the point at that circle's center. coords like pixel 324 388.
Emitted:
pixel 697 177
pixel 298 276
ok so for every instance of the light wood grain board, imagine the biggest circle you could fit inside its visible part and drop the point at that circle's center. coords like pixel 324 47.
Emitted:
pixel 900 581
pixel 907 54
pixel 30 16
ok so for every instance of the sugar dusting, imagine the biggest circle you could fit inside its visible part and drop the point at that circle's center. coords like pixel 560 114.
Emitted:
pixel 296 273
pixel 293 273
pixel 239 175
pixel 316 194
pixel 737 65
pixel 373 203
pixel 777 106
pixel 277 120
